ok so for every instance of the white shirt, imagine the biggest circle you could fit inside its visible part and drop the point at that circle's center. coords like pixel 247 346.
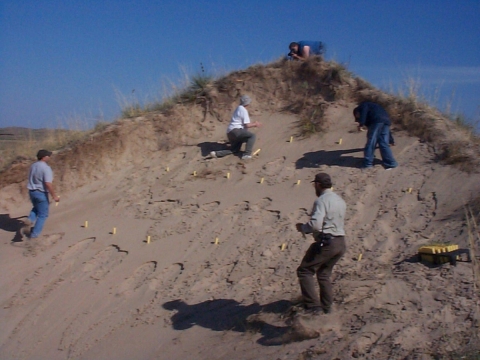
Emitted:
pixel 239 119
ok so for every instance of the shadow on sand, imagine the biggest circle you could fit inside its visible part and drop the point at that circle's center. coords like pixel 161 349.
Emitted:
pixel 11 225
pixel 208 146
pixel 334 157
pixel 230 315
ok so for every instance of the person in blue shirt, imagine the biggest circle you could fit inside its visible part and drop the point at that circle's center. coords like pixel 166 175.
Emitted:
pixel 303 49
pixel 376 120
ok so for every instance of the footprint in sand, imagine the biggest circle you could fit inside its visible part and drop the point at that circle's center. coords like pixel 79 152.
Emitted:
pixel 168 276
pixel 90 326
pixel 298 215
pixel 104 262
pixel 46 278
pixel 272 168
pixel 276 171
pixel 42 243
pixel 210 206
pixel 140 277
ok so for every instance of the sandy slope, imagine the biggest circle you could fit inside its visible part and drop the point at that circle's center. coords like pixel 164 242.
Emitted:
pixel 85 293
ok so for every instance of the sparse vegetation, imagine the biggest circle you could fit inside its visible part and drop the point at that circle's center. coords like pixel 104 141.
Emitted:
pixel 19 144
pixel 306 89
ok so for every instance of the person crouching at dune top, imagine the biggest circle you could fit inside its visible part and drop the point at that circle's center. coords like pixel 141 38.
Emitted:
pixel 377 121
pixel 302 50
pixel 237 132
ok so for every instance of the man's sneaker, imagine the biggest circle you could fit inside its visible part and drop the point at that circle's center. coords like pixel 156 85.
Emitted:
pixel 25 231
pixel 213 154
pixel 246 157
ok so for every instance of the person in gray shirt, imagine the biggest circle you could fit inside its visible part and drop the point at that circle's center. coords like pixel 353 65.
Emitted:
pixel 40 179
pixel 326 224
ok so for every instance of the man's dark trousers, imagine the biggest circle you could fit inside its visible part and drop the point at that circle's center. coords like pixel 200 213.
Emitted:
pixel 320 261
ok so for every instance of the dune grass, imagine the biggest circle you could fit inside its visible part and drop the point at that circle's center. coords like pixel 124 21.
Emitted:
pixel 24 143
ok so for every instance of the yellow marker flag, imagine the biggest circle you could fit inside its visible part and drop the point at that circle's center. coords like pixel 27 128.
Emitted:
pixel 291 138
pixel 359 257
pixel 298 182
pixel 86 224
pixel 340 142
pixel 194 173
pixel 216 241
pixel 168 169
pixel 148 239
pixel 228 175
pixel 114 231
pixel 261 181
pixel 284 246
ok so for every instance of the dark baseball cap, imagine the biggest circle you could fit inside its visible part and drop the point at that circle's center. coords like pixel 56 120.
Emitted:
pixel 42 153
pixel 324 180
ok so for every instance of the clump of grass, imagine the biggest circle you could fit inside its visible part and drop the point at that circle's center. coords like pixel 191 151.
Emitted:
pixel 314 122
pixel 132 110
pixel 196 91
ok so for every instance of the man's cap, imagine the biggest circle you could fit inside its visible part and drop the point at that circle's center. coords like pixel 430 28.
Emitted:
pixel 42 153
pixel 324 180
pixel 245 100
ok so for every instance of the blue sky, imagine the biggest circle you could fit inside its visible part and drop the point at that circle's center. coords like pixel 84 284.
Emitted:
pixel 68 61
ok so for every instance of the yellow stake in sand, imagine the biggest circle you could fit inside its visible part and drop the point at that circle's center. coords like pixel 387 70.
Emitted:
pixel 298 182
pixel 261 181
pixel 228 175
pixel 340 141
pixel 216 241
pixel 86 224
pixel 194 173
pixel 409 190
pixel 291 138
pixel 256 152
pixel 359 257
pixel 114 231
pixel 284 246
pixel 148 239
pixel 168 169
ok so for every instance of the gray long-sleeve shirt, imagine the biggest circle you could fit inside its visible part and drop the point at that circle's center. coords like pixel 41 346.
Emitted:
pixel 328 215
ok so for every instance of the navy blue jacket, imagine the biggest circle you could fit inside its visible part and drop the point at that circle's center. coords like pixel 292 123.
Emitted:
pixel 371 113
pixel 316 47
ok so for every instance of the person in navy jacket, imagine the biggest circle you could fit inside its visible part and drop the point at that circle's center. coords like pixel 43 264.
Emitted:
pixel 303 49
pixel 376 120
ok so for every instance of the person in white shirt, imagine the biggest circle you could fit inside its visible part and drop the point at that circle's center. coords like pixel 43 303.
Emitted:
pixel 237 132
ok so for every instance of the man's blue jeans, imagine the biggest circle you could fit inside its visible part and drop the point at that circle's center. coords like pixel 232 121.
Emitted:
pixel 39 212
pixel 379 134
pixel 237 137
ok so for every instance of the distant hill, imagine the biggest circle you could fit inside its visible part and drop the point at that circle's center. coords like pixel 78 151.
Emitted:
pixel 23 133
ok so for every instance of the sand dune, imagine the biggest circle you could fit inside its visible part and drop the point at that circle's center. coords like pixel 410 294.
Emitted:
pixel 214 281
